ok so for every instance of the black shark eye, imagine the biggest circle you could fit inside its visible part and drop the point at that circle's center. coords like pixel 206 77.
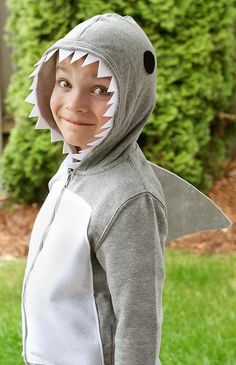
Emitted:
pixel 149 62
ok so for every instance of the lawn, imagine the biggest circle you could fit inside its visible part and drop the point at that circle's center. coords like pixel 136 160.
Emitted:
pixel 199 304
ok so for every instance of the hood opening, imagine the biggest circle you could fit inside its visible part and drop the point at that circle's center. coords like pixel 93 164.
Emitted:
pixel 124 50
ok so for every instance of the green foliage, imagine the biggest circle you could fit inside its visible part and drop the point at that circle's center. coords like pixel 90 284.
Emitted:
pixel 29 166
pixel 195 45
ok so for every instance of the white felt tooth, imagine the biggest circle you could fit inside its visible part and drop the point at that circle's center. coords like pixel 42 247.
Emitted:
pixel 56 136
pixel 34 83
pixel 84 152
pixel 114 99
pixel 42 124
pixel 50 54
pixel 32 98
pixel 73 165
pixel 103 133
pixel 108 124
pixel 40 61
pixel 110 112
pixel 67 148
pixel 76 156
pixel 95 143
pixel 77 55
pixel 103 71
pixel 35 112
pixel 90 59
pixel 64 53
pixel 35 72
pixel 113 85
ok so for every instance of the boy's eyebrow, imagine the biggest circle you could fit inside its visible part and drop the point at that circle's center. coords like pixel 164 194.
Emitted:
pixel 60 68
pixel 94 74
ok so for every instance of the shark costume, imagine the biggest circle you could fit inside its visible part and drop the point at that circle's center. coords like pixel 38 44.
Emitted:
pixel 92 292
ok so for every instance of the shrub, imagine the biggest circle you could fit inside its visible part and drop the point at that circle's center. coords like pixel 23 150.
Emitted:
pixel 195 46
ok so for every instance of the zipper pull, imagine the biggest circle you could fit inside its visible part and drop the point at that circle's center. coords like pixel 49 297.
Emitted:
pixel 69 176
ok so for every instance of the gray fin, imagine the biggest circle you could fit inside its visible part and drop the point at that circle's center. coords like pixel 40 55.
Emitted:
pixel 189 210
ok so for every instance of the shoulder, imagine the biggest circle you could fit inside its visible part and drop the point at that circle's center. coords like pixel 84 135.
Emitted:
pixel 125 189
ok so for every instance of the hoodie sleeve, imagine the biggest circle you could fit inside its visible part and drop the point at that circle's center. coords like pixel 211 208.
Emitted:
pixel 132 254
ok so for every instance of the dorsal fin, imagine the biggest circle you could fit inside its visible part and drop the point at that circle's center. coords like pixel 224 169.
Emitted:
pixel 189 210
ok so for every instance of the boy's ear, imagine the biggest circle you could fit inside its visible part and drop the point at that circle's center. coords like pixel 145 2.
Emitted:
pixel 149 62
pixel 46 82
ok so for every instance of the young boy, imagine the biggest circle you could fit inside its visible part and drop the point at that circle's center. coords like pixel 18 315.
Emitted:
pixel 92 292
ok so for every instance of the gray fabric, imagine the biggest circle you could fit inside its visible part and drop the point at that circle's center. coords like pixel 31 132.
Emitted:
pixel 189 210
pixel 121 44
pixel 127 232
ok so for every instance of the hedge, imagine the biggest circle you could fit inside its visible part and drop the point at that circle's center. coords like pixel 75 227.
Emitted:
pixel 195 45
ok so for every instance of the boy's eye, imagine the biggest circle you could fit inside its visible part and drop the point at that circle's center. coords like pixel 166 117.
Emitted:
pixel 64 83
pixel 101 91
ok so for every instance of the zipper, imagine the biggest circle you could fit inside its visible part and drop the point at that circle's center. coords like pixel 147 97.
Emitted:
pixel 69 176
pixel 45 233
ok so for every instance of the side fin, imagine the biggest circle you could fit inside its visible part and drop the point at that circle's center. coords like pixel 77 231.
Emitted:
pixel 188 209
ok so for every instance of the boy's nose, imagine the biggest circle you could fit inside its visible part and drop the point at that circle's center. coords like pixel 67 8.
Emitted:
pixel 77 102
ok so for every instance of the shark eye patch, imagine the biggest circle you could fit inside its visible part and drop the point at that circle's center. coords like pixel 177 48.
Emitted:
pixel 149 62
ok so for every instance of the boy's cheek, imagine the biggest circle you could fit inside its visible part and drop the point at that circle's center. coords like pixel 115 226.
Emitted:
pixel 53 105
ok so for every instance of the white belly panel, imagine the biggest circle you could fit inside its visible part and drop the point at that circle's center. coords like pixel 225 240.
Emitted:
pixel 42 220
pixel 62 321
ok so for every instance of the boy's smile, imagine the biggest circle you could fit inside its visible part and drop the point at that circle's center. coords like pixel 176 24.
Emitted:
pixel 79 101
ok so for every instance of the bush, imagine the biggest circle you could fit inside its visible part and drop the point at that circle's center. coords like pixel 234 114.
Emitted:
pixel 195 46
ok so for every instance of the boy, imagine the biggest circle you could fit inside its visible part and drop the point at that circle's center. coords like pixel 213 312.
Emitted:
pixel 92 292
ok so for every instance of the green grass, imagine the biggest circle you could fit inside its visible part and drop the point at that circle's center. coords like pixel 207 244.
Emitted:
pixel 199 304
pixel 11 276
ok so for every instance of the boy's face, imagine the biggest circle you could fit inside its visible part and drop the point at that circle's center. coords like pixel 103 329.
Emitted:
pixel 79 100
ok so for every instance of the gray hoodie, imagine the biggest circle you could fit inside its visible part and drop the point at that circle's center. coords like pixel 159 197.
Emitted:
pixel 92 292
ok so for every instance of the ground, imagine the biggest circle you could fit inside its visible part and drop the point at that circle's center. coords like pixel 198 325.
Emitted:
pixel 16 223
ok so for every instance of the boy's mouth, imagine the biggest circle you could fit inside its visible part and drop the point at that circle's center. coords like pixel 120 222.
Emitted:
pixel 77 122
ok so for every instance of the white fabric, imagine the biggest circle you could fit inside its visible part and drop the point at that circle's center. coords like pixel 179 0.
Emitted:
pixel 69 256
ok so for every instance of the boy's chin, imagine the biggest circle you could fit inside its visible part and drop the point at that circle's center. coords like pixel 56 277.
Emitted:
pixel 80 148
pixel 76 144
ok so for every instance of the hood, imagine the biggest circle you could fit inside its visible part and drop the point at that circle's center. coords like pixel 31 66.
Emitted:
pixel 126 54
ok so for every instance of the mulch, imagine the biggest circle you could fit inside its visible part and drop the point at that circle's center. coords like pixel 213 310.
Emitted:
pixel 17 220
